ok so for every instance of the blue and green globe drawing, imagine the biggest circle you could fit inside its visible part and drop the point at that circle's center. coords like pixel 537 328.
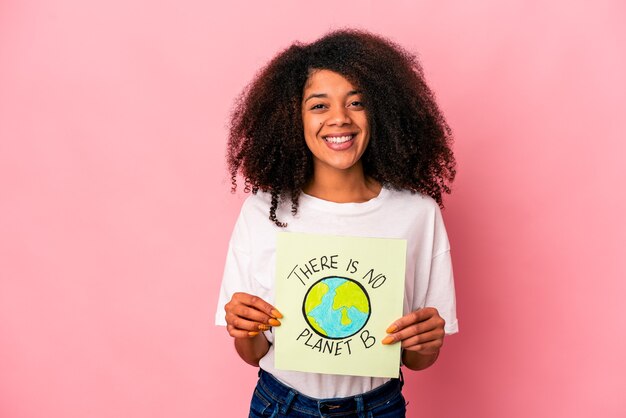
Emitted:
pixel 336 307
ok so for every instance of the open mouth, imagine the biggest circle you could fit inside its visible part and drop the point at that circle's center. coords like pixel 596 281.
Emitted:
pixel 338 139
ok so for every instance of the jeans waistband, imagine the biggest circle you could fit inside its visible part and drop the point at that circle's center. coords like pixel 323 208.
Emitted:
pixel 290 398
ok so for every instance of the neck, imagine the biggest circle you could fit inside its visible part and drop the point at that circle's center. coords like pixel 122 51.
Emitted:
pixel 342 186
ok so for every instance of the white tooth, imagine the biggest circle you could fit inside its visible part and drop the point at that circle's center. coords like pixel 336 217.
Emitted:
pixel 339 139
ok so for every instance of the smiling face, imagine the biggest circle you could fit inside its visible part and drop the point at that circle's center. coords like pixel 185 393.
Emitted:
pixel 335 122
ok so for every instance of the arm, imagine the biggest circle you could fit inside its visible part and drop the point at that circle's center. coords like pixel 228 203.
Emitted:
pixel 252 349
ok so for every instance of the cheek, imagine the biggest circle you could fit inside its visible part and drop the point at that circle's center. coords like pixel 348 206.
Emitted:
pixel 313 127
pixel 311 124
pixel 362 121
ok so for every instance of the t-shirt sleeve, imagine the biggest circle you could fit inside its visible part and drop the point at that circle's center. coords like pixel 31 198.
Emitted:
pixel 441 293
pixel 236 269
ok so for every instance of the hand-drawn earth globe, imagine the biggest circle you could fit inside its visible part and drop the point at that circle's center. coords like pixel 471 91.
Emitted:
pixel 336 307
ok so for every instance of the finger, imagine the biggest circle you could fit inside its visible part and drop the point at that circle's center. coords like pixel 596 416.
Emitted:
pixel 237 333
pixel 259 304
pixel 407 320
pixel 435 324
pixel 422 338
pixel 240 323
pixel 251 314
pixel 252 308
pixel 427 348
pixel 428 316
pixel 408 332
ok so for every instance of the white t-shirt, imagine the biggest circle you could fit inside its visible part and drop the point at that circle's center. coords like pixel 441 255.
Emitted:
pixel 250 264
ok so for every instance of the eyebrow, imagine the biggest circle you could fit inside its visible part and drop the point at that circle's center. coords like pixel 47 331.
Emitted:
pixel 324 95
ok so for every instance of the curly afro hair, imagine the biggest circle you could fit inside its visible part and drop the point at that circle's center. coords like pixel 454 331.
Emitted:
pixel 410 141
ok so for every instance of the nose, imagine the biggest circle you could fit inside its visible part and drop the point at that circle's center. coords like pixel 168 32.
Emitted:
pixel 339 116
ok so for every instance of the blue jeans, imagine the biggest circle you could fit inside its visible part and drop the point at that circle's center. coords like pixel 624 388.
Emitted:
pixel 273 399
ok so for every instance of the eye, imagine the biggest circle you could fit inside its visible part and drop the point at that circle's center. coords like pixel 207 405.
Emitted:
pixel 317 106
pixel 356 103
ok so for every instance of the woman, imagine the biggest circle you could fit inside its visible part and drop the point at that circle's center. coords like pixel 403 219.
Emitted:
pixel 341 136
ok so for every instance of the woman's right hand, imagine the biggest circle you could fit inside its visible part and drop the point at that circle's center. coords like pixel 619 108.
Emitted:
pixel 247 315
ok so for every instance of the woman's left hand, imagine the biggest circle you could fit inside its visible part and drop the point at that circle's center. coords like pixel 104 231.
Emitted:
pixel 421 331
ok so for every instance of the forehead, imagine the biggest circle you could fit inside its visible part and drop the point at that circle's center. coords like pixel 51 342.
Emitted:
pixel 327 81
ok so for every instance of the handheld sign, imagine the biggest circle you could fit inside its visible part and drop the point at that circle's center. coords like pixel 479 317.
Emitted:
pixel 338 295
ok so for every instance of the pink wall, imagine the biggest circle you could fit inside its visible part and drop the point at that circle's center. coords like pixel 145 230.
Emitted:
pixel 115 209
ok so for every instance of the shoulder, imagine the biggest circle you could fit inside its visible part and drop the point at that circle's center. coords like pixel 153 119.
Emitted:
pixel 255 203
pixel 255 212
pixel 411 200
pixel 420 213
pixel 252 222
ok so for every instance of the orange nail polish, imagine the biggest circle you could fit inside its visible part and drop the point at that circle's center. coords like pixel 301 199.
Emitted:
pixel 388 339
pixel 392 329
pixel 274 322
pixel 276 314
pixel 253 333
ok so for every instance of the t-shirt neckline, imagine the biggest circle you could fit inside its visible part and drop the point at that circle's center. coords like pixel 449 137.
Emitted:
pixel 352 207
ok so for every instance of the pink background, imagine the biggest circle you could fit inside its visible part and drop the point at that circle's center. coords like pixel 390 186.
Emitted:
pixel 115 209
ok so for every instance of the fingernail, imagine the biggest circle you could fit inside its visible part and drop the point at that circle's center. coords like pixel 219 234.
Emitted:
pixel 263 327
pixel 276 314
pixel 392 329
pixel 388 339
pixel 253 333
pixel 274 322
